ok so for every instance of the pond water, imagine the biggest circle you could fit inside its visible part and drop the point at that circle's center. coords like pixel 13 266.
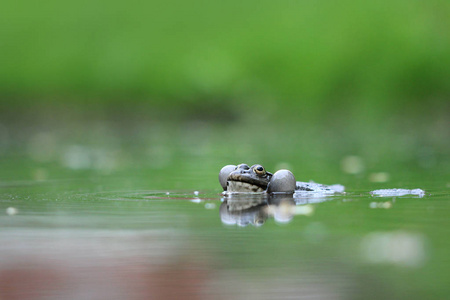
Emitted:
pixel 58 242
pixel 84 220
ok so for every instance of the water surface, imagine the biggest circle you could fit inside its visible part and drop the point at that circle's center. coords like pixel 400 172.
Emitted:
pixel 138 215
pixel 59 242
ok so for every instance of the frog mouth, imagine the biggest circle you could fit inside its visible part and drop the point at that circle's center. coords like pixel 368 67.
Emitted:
pixel 243 184
pixel 243 187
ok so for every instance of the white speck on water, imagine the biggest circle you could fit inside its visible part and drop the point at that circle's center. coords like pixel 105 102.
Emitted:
pixel 196 193
pixel 11 211
pixel 210 205
pixel 196 200
pixel 398 248
pixel 167 193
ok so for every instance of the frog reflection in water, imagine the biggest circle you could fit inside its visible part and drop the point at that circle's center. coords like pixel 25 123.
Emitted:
pixel 255 209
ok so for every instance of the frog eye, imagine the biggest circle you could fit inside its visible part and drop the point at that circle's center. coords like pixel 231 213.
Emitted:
pixel 259 170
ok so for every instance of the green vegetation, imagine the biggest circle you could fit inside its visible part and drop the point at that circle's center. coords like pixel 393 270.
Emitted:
pixel 288 58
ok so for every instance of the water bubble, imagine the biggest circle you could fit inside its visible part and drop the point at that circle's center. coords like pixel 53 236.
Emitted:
pixel 11 211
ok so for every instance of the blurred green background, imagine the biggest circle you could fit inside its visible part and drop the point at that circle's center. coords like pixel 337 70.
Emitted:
pixel 303 82
pixel 105 104
pixel 301 57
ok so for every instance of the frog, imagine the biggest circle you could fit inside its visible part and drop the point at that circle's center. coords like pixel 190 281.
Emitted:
pixel 243 178
pixel 255 179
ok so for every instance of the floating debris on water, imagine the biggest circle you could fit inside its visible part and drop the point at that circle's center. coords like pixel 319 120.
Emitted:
pixel 397 192
pixel 316 189
pixel 196 193
pixel 338 188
